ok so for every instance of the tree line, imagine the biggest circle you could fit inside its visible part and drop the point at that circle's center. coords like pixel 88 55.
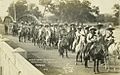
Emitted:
pixel 66 11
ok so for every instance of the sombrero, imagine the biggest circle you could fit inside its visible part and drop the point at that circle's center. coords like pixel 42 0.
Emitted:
pixel 110 28
pixel 92 28
pixel 72 24
pixel 87 27
pixel 99 25
pixel 66 24
pixel 79 28
pixel 46 25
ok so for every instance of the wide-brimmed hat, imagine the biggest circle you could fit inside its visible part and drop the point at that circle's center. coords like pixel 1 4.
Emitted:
pixel 87 27
pixel 79 28
pixel 99 25
pixel 55 25
pixel 92 28
pixel 46 25
pixel 66 24
pixel 72 24
pixel 110 28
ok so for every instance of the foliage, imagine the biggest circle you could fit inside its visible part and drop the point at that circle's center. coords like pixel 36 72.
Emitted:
pixel 74 11
pixel 21 8
pixel 116 14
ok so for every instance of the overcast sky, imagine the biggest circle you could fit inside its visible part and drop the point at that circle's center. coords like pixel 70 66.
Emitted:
pixel 104 5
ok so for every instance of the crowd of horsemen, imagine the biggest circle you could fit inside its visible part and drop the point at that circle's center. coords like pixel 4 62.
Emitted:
pixel 88 42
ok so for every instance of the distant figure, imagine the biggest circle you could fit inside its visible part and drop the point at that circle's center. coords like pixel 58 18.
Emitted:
pixel 6 29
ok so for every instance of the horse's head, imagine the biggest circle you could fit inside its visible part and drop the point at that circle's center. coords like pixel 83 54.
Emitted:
pixel 114 48
pixel 118 46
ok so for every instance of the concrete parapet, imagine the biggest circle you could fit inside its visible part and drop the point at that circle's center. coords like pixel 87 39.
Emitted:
pixel 21 52
pixel 13 63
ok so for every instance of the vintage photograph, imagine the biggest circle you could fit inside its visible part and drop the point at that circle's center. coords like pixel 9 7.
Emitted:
pixel 59 37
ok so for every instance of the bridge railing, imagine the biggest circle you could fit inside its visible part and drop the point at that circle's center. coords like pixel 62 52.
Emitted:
pixel 12 63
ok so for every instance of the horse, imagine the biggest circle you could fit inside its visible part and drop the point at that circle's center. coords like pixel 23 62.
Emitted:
pixel 63 46
pixel 34 36
pixel 97 53
pixel 113 56
pixel 23 34
pixel 41 37
pixel 71 37
pixel 80 48
pixel 15 29
pixel 48 36
pixel 54 37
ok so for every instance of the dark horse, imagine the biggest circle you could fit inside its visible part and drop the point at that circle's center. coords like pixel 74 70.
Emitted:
pixel 63 46
pixel 23 35
pixel 97 53
pixel 15 29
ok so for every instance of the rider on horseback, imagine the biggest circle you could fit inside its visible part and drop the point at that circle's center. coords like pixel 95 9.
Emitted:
pixel 77 38
pixel 91 38
pixel 109 38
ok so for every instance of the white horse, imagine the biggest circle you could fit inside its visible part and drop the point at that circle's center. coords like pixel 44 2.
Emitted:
pixel 113 55
pixel 48 36
pixel 41 37
pixel 80 47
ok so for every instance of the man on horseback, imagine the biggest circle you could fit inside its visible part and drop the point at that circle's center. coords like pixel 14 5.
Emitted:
pixel 63 44
pixel 109 38
pixel 91 38
pixel 95 50
pixel 80 46
pixel 77 38
pixel 48 34
pixel 71 35
pixel 15 29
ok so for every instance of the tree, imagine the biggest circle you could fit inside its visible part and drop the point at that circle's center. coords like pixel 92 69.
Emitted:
pixel 116 13
pixel 36 12
pixel 74 11
pixel 20 8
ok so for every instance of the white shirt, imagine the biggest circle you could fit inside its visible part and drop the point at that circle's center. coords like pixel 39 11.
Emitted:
pixel 91 38
pixel 77 34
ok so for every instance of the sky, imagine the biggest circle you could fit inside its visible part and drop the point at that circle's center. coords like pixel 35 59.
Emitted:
pixel 104 5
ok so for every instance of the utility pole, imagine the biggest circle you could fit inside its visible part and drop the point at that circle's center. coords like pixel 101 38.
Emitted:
pixel 14 10
pixel 119 12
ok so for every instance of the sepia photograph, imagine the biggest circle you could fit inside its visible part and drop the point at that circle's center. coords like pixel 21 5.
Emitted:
pixel 59 37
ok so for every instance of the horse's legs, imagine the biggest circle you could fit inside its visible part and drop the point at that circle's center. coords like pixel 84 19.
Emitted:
pixel 86 63
pixel 61 52
pixel 24 38
pixel 66 53
pixel 38 42
pixel 78 53
pixel 94 66
pixel 74 45
pixel 19 38
pixel 97 66
pixel 81 57
pixel 34 41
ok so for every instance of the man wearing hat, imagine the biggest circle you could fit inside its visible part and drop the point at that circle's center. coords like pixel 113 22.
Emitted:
pixel 99 29
pixel 91 35
pixel 91 38
pixel 109 38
